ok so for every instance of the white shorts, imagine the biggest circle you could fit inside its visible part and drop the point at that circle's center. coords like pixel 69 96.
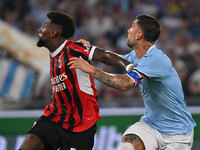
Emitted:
pixel 154 140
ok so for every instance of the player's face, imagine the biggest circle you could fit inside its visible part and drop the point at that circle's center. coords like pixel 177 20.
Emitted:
pixel 44 33
pixel 133 32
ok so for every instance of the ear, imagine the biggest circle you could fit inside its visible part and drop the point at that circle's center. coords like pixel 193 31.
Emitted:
pixel 54 33
pixel 139 35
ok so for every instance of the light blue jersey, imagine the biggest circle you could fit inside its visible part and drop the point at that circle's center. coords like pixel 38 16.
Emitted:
pixel 162 93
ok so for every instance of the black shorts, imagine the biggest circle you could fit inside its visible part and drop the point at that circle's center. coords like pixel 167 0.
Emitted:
pixel 54 136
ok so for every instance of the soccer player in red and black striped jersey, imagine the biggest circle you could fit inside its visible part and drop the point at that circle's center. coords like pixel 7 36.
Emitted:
pixel 70 120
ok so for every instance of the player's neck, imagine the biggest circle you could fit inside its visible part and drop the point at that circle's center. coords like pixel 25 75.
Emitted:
pixel 142 48
pixel 54 44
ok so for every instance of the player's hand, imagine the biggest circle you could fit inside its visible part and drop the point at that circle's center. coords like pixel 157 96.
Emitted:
pixel 86 43
pixel 81 64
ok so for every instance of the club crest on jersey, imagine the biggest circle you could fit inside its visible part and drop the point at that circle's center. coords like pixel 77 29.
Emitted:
pixel 59 63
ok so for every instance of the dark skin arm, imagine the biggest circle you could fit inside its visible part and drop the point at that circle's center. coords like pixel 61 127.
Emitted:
pixel 107 57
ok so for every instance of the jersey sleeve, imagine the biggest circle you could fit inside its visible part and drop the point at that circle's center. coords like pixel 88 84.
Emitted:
pixel 78 49
pixel 153 66
pixel 131 57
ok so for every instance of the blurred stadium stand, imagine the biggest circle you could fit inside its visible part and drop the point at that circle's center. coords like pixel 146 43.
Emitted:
pixel 105 24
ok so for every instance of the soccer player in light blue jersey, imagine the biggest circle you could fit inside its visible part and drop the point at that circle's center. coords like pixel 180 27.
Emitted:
pixel 167 124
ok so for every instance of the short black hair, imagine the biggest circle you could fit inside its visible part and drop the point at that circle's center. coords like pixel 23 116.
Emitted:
pixel 65 20
pixel 150 27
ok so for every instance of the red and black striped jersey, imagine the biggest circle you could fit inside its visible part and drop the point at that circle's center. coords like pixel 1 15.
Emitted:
pixel 74 103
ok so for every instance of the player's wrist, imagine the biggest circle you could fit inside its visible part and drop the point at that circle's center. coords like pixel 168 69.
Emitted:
pixel 93 71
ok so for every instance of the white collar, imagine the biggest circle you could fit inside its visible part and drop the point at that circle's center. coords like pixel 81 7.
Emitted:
pixel 151 48
pixel 148 51
pixel 58 49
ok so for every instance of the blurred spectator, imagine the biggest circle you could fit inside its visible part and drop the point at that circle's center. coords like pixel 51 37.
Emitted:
pixel 11 17
pixel 182 71
pixel 194 83
pixel 194 45
pixel 150 7
pixel 40 10
pixel 30 25
pixel 99 23
pixel 171 19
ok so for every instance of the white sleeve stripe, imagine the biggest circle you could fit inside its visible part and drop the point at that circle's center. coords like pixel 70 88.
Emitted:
pixel 91 53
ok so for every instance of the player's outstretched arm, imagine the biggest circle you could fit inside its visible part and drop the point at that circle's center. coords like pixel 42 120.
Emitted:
pixel 108 57
pixel 121 82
